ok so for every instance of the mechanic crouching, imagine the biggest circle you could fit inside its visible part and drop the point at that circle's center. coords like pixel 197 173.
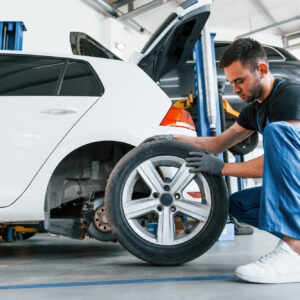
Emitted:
pixel 274 111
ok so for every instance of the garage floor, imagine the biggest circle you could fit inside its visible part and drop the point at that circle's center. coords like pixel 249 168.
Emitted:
pixel 52 267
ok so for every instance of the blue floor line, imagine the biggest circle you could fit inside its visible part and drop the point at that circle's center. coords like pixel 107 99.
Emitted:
pixel 112 282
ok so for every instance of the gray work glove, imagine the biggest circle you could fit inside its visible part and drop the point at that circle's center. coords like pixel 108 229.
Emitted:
pixel 160 137
pixel 201 162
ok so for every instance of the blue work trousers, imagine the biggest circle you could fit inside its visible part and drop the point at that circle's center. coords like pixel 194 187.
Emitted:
pixel 274 207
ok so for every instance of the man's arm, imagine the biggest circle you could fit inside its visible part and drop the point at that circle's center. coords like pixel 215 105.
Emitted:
pixel 249 169
pixel 220 143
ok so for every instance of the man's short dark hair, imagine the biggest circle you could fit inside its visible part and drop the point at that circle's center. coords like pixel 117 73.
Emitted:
pixel 247 50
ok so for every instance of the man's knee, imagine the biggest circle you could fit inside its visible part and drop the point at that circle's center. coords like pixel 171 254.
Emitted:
pixel 245 200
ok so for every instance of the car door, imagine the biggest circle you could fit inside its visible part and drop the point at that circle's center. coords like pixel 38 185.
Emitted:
pixel 41 99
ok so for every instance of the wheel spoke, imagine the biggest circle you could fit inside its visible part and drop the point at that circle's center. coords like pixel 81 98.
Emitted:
pixel 193 209
pixel 165 229
pixel 181 179
pixel 151 177
pixel 137 208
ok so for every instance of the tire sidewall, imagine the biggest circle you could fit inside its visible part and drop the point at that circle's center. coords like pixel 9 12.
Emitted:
pixel 157 254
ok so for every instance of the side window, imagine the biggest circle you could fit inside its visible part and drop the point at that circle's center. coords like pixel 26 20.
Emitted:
pixel 23 75
pixel 272 54
pixel 80 80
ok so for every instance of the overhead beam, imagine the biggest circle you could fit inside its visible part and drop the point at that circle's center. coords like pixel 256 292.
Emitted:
pixel 105 7
pixel 143 9
pixel 295 46
pixel 121 3
pixel 269 27
pixel 292 36
pixel 264 9
pixel 130 6
pixel 289 37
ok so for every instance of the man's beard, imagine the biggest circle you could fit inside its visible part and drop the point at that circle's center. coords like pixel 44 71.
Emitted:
pixel 256 92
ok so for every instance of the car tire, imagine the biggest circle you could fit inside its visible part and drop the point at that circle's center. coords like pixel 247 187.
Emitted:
pixel 246 146
pixel 165 247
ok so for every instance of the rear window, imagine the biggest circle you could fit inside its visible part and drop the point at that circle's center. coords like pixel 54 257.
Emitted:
pixel 288 56
pixel 80 80
pixel 273 54
pixel 28 75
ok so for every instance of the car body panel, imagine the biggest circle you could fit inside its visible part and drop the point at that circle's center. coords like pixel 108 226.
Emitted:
pixel 31 128
pixel 129 114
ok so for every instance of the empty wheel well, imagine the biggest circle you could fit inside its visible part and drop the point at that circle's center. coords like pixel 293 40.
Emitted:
pixel 81 172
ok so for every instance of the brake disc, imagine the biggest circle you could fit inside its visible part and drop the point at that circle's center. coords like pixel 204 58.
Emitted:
pixel 100 220
pixel 99 228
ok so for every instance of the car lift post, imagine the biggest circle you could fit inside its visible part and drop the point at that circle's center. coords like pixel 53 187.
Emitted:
pixel 208 112
pixel 208 108
pixel 11 35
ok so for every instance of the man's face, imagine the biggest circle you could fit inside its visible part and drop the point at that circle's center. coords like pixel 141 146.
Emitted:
pixel 246 84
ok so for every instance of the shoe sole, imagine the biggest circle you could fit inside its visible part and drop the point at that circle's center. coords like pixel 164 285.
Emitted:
pixel 270 279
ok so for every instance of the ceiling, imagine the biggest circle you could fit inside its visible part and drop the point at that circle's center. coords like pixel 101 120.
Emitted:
pixel 229 18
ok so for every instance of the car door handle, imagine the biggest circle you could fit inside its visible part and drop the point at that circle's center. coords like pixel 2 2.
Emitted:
pixel 59 111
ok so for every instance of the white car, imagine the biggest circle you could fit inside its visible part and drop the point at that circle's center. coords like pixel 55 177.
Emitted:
pixel 66 121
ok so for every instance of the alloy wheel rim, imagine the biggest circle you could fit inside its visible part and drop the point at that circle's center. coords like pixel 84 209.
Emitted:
pixel 176 207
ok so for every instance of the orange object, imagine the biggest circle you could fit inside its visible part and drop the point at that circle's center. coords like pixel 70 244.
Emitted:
pixel 195 194
pixel 178 117
pixel 228 109
pixel 185 103
pixel 24 229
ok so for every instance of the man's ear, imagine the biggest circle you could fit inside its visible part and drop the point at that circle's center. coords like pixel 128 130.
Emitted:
pixel 262 69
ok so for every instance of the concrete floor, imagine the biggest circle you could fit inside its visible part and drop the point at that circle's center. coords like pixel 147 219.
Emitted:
pixel 52 267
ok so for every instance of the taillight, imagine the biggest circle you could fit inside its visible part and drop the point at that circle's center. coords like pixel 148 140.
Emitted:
pixel 178 117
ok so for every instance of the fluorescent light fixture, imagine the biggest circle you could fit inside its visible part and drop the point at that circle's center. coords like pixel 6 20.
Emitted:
pixel 119 45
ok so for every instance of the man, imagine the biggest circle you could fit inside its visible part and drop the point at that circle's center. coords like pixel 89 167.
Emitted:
pixel 274 111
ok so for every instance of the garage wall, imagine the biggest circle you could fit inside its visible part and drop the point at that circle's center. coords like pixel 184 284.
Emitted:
pixel 49 22
pixel 114 32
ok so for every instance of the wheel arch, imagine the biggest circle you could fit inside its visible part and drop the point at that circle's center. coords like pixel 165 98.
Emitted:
pixel 81 170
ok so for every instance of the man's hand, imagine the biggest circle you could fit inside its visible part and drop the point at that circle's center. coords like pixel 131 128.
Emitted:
pixel 161 137
pixel 204 162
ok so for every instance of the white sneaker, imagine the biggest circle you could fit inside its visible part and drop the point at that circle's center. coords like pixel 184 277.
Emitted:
pixel 279 266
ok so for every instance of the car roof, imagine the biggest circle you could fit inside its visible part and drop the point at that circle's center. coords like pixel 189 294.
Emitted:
pixel 51 54
pixel 285 53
